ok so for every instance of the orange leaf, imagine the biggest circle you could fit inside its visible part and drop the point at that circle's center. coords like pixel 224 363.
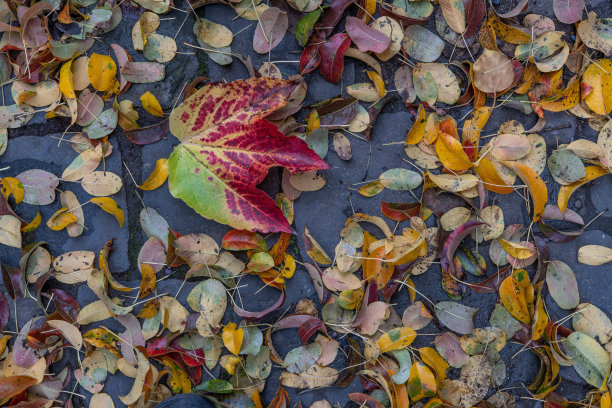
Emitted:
pixel 375 267
pixel 472 128
pixel 451 153
pixel 592 172
pixel 513 299
pixel 490 178
pixel 535 185
pixel 15 385
pixel 149 280
pixel 417 131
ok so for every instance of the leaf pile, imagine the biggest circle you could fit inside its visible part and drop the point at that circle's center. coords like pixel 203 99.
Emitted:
pixel 231 133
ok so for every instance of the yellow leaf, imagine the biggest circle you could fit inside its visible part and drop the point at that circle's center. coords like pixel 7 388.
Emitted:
pixel 506 32
pixel 229 363
pixel 151 105
pixel 432 128
pixel 490 177
pixel 605 401
pixel 149 280
pixel 434 360
pixel 396 339
pixel 60 219
pixel 110 206
pixel 597 86
pixel 417 131
pixel 535 185
pixel 11 185
pixel 540 318
pixel 515 249
pixel 287 268
pixel 592 172
pixel 513 299
pixel 379 83
pixel 472 128
pixel 65 80
pixel 314 121
pixel 421 382
pixel 370 9
pixel 33 224
pixel 451 153
pixel 101 71
pixel 566 99
pixel 232 337
pixel 158 177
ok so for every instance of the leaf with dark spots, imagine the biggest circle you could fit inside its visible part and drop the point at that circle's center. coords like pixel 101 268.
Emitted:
pixel 332 57
pixel 14 385
pixel 227 148
pixel 148 135
pixel 254 316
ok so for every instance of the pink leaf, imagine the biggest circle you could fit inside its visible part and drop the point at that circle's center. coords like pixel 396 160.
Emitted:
pixel 568 11
pixel 365 37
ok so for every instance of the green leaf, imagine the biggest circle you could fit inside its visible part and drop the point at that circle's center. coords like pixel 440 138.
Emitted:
pixel 305 25
pixel 591 361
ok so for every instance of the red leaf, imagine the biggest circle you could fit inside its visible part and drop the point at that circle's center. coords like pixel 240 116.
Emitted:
pixel 227 148
pixel 365 37
pixel 310 59
pixel 399 211
pixel 476 11
pixel 332 57
pixel 150 134
pixel 310 327
pixel 453 241
pixel 240 240
pixel 66 305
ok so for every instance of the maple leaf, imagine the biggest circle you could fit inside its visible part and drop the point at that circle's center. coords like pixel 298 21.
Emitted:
pixel 227 148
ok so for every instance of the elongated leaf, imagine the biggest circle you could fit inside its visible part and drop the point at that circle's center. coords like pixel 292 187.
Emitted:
pixel 332 57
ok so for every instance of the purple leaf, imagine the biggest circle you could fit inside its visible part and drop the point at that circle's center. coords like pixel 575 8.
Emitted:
pixel 568 11
pixel 254 316
pixel 365 37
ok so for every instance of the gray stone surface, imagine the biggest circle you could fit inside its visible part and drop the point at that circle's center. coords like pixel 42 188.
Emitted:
pixel 324 212
pixel 43 152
